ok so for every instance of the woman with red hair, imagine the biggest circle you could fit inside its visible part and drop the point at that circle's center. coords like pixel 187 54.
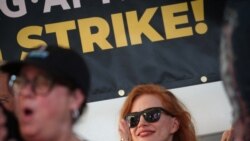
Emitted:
pixel 152 113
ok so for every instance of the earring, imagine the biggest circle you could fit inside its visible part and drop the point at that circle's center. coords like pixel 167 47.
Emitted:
pixel 75 114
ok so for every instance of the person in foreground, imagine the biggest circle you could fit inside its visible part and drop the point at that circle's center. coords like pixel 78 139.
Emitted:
pixel 235 62
pixel 152 113
pixel 50 88
pixel 9 130
pixel 8 125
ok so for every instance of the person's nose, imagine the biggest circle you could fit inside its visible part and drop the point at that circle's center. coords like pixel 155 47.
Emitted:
pixel 142 122
pixel 26 90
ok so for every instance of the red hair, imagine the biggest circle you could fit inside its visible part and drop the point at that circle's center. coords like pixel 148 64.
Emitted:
pixel 186 131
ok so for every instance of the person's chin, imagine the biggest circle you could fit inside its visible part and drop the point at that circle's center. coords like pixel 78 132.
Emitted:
pixel 28 131
pixel 147 137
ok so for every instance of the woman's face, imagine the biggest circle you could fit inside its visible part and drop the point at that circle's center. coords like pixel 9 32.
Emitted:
pixel 42 116
pixel 161 130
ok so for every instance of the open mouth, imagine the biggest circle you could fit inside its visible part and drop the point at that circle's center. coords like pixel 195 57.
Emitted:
pixel 27 115
pixel 28 112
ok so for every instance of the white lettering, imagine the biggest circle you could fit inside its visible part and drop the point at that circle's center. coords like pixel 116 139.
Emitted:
pixel 76 3
pixel 13 14
pixel 50 3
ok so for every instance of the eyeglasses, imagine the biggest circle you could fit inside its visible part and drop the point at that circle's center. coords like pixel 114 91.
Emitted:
pixel 40 85
pixel 150 115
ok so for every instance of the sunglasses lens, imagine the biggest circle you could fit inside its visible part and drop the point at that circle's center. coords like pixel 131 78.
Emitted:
pixel 152 115
pixel 133 120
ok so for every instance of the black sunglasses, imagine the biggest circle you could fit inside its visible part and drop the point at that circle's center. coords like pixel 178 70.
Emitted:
pixel 150 115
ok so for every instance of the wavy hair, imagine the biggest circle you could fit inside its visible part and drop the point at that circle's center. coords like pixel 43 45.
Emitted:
pixel 186 131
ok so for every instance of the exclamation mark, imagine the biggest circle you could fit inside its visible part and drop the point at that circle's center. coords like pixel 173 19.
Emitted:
pixel 1 57
pixel 198 10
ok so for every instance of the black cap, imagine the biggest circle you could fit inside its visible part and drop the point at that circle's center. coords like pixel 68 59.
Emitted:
pixel 57 61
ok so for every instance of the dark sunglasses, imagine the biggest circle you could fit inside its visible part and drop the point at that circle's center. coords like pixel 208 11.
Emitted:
pixel 150 115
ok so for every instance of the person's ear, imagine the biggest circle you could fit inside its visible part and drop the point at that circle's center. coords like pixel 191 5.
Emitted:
pixel 175 125
pixel 77 98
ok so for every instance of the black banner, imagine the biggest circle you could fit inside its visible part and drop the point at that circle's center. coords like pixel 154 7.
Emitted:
pixel 174 43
